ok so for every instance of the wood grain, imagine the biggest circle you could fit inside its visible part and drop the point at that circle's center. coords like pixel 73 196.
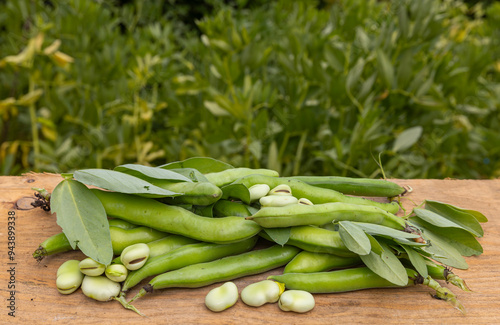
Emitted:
pixel 37 299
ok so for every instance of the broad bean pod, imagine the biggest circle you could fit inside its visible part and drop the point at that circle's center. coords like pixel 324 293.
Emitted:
pixel 184 256
pixel 320 214
pixel 339 281
pixel 173 219
pixel 195 193
pixel 309 262
pixel 354 186
pixel 224 269
pixel 223 208
pixel 164 245
pixel 316 195
pixel 230 175
pixel 358 279
pixel 316 240
pixel 120 238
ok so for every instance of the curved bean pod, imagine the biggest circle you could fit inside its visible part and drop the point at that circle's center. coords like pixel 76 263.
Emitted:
pixel 224 208
pixel 230 175
pixel 316 240
pixel 309 262
pixel 358 279
pixel 337 281
pixel 196 193
pixel 173 219
pixel 320 214
pixel 317 195
pixel 164 245
pixel 354 186
pixel 184 256
pixel 120 238
pixel 224 269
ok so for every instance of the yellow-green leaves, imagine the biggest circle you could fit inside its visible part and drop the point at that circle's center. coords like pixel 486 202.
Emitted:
pixel 83 220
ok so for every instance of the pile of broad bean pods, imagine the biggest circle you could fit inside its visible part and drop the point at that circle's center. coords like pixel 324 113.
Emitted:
pixel 200 221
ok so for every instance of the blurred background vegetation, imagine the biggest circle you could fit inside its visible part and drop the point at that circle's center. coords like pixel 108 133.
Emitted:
pixel 303 87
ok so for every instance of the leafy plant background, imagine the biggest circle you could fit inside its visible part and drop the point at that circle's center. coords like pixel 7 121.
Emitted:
pixel 302 87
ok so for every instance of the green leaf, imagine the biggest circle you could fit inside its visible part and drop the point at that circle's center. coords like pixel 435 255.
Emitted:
pixel 279 235
pixel 385 68
pixel 462 240
pixel 407 138
pixel 151 172
pixel 354 74
pixel 375 245
pixel 417 260
pixel 236 191
pixel 441 249
pixel 120 182
pixel 465 220
pixel 354 238
pixel 204 165
pixel 83 220
pixel 386 265
pixel 374 229
pixel 435 219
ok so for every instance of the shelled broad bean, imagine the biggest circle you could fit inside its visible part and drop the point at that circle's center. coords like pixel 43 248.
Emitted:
pixel 241 205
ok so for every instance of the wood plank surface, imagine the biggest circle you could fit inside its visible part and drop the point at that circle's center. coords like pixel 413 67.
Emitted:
pixel 38 301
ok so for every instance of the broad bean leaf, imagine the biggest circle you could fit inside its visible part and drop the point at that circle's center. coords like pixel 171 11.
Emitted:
pixel 459 216
pixel 236 191
pixel 463 241
pixel 278 235
pixel 441 249
pixel 151 172
pixel 121 182
pixel 375 245
pixel 417 260
pixel 374 229
pixel 203 164
pixel 83 220
pixel 387 266
pixel 354 238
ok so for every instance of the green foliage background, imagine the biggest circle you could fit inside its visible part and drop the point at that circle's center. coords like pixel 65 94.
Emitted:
pixel 303 87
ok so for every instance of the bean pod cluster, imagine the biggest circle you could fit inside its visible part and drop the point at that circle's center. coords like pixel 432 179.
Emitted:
pixel 237 222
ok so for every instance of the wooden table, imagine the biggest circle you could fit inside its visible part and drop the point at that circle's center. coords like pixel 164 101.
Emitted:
pixel 37 300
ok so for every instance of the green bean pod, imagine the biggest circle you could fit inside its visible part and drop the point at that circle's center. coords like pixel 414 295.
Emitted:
pixel 57 243
pixel 316 240
pixel 230 175
pixel 120 238
pixel 359 279
pixel 337 281
pixel 118 223
pixel 309 262
pixel 316 195
pixel 224 269
pixel 176 220
pixel 164 245
pixel 184 256
pixel 223 208
pixel 320 214
pixel 195 193
pixel 354 186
